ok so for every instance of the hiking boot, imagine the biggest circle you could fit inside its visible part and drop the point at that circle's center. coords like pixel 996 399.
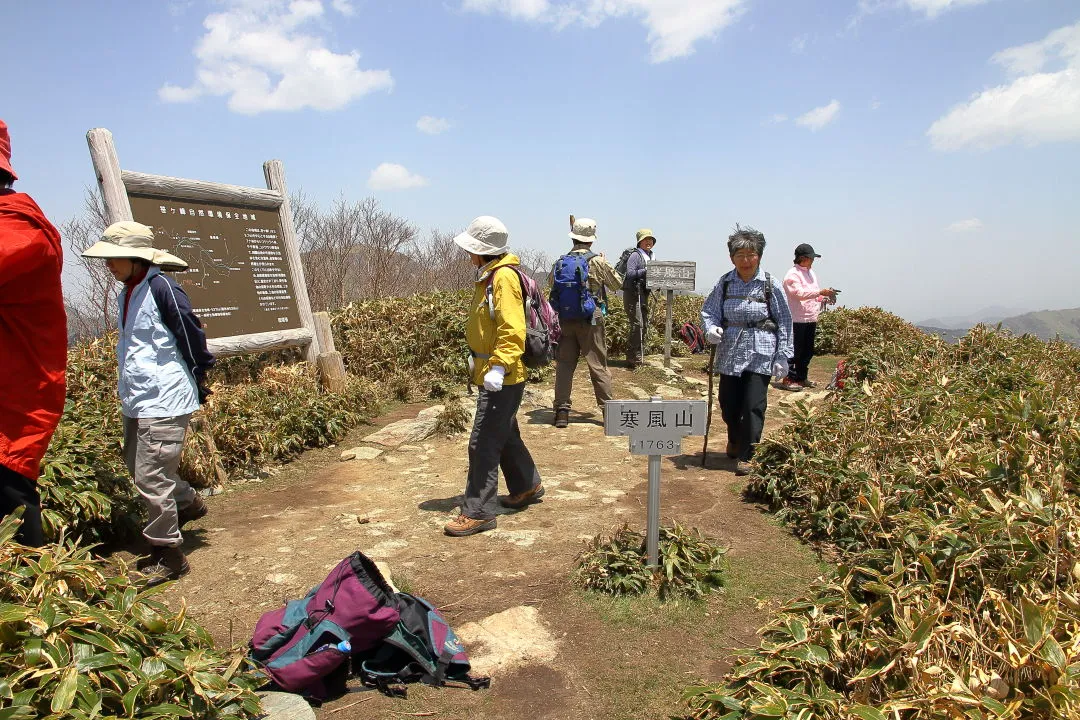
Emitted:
pixel 194 511
pixel 171 564
pixel 562 418
pixel 146 561
pixel 742 468
pixel 528 497
pixel 464 525
pixel 789 384
pixel 732 450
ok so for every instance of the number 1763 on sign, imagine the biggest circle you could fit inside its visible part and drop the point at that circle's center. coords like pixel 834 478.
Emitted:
pixel 655 446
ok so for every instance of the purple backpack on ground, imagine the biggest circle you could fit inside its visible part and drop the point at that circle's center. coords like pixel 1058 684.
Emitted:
pixel 303 647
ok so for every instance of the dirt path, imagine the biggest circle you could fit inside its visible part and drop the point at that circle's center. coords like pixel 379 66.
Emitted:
pixel 267 542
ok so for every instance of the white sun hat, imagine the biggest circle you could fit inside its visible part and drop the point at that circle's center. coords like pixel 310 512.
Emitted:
pixel 132 240
pixel 584 230
pixel 485 235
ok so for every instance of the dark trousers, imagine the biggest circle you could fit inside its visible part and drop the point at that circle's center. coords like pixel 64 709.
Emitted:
pixel 17 491
pixel 803 336
pixel 743 401
pixel 636 304
pixel 496 443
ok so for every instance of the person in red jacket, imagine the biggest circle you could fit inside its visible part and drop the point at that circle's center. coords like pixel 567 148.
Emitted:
pixel 33 346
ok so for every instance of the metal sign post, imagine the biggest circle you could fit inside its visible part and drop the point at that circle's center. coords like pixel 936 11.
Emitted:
pixel 656 428
pixel 670 276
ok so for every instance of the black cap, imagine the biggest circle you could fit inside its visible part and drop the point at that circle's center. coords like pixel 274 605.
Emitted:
pixel 805 250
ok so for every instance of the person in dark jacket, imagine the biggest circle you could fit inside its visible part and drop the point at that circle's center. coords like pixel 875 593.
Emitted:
pixel 636 296
pixel 33 347
pixel 162 381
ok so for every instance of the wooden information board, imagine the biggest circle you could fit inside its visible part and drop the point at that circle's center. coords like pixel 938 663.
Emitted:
pixel 245 276
pixel 237 278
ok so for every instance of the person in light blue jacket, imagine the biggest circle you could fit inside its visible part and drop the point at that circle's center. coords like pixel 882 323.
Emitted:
pixel 163 363
pixel 747 316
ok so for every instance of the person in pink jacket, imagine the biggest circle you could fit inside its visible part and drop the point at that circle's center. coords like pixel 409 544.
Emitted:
pixel 805 299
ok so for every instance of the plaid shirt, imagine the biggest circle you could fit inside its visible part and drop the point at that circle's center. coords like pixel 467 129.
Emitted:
pixel 743 348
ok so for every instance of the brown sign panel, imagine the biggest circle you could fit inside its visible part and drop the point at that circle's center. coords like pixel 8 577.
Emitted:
pixel 238 277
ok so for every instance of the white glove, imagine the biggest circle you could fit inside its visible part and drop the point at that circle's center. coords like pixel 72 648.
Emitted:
pixel 780 368
pixel 715 335
pixel 493 380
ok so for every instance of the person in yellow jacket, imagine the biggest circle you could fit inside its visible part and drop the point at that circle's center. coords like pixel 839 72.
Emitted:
pixel 495 332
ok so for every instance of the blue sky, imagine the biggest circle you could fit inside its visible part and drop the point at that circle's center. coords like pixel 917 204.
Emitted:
pixel 929 149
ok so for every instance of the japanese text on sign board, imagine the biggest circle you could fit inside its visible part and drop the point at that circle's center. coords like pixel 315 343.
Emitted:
pixel 238 277
pixel 646 419
pixel 671 275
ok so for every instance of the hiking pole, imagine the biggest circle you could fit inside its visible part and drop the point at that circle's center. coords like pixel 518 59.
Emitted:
pixel 708 417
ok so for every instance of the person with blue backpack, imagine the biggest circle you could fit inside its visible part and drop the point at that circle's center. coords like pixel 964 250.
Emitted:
pixel 496 333
pixel 579 284
pixel 747 317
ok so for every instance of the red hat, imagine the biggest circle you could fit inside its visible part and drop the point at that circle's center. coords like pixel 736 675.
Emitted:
pixel 5 150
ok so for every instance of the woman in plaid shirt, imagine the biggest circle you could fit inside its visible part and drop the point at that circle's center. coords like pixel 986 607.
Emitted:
pixel 752 327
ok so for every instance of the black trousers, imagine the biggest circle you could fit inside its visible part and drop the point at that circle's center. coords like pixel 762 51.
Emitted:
pixel 743 401
pixel 803 335
pixel 496 443
pixel 18 491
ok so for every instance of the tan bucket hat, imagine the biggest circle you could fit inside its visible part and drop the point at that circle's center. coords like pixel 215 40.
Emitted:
pixel 132 240
pixel 584 230
pixel 486 235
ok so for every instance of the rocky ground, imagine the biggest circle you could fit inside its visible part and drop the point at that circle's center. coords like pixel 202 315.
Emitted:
pixel 552 651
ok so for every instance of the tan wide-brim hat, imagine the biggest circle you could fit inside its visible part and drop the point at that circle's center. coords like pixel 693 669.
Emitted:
pixel 485 235
pixel 584 230
pixel 135 241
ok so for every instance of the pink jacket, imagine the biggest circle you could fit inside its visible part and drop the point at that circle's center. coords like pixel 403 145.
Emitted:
pixel 803 294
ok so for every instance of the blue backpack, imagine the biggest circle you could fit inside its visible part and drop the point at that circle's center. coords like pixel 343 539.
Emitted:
pixel 570 290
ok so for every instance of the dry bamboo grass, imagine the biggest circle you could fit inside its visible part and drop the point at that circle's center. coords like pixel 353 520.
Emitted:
pixel 946 477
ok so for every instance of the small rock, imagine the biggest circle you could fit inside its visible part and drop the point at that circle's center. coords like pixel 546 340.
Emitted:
pixel 282 579
pixel 384 569
pixel 361 453
pixel 507 640
pixel 285 706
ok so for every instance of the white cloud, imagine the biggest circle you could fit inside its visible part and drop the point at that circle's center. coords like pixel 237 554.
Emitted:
pixel 875 104
pixel 257 53
pixel 390 176
pixel 1042 103
pixel 933 8
pixel 962 226
pixel 674 26
pixel 518 9
pixel 798 44
pixel 344 7
pixel 819 117
pixel 432 125
pixel 930 8
pixel 776 119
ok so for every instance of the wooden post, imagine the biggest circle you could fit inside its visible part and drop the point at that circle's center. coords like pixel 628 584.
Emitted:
pixel 107 168
pixel 667 329
pixel 330 363
pixel 274 171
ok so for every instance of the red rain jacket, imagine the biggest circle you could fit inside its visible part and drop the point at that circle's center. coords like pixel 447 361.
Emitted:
pixel 33 333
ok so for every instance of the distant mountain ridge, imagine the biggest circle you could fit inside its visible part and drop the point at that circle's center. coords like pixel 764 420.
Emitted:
pixel 1044 324
pixel 1048 324
pixel 988 316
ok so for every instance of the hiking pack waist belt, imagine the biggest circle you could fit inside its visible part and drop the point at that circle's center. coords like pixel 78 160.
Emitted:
pixel 482 356
pixel 768 325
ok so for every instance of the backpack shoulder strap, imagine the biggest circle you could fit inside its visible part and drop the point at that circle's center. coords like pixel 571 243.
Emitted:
pixel 768 296
pixel 524 291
